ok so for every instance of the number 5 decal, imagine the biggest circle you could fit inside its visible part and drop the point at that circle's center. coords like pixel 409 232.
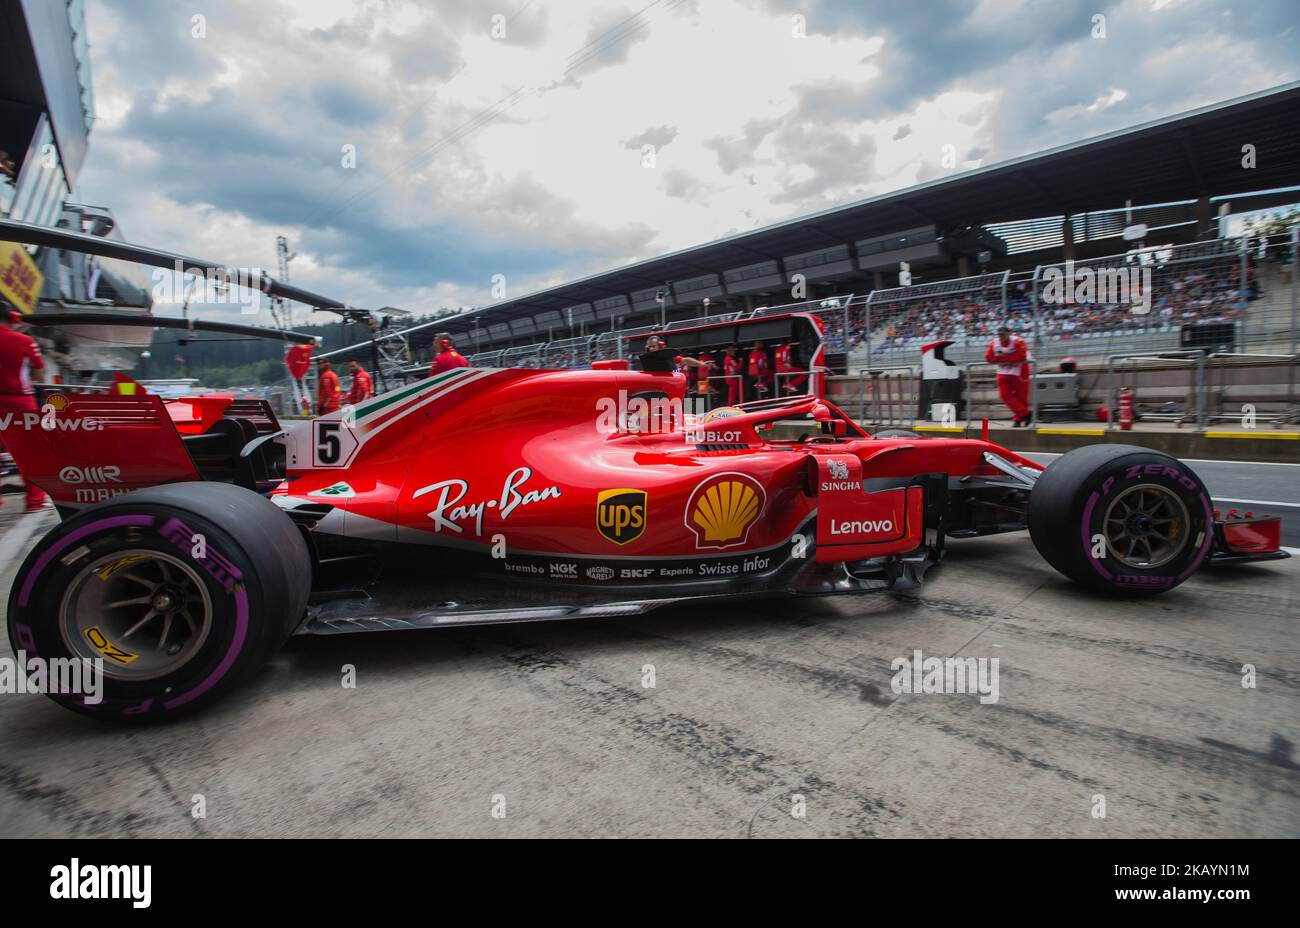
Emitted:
pixel 333 443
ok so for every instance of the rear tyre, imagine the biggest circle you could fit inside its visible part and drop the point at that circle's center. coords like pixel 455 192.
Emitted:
pixel 182 591
pixel 1122 519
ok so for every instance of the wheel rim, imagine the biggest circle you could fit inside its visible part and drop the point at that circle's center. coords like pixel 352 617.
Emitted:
pixel 1146 526
pixel 143 612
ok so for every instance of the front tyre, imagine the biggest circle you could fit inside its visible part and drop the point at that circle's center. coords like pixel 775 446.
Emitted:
pixel 1121 519
pixel 180 591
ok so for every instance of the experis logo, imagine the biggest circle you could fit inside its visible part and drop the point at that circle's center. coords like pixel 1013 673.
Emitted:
pixel 76 880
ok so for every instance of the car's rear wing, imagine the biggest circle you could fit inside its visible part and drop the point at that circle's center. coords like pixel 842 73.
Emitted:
pixel 82 447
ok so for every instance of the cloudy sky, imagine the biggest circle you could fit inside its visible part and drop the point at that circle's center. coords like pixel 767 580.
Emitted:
pixel 413 150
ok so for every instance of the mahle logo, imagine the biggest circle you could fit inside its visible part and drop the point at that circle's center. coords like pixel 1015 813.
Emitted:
pixel 620 515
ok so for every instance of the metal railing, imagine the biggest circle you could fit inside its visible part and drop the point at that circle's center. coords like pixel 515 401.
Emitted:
pixel 897 403
pixel 1223 361
pixel 1194 359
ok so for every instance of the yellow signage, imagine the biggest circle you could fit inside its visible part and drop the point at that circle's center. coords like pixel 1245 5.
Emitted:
pixel 20 281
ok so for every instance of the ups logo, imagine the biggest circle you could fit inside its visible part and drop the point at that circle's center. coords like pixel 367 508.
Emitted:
pixel 620 515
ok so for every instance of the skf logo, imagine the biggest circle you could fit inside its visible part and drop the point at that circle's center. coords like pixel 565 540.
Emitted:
pixel 620 515
pixel 722 509
pixel 635 573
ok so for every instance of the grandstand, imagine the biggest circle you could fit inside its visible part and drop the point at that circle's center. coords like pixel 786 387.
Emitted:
pixel 978 245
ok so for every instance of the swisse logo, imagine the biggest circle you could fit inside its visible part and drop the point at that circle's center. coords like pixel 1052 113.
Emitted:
pixel 104 473
pixel 861 527
pixel 103 881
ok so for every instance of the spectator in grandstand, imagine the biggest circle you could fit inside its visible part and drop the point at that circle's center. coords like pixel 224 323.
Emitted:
pixel 1011 356
pixel 328 392
pixel 447 357
pixel 731 369
pixel 758 371
pixel 19 357
pixel 361 387
pixel 658 358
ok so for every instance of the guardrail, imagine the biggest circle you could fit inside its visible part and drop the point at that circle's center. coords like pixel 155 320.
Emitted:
pixel 897 403
pixel 1196 393
pixel 1219 360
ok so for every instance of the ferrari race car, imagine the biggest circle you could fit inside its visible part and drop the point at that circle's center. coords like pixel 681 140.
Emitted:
pixel 199 534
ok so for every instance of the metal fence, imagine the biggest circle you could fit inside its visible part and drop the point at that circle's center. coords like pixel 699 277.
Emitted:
pixel 568 353
pixel 1235 302
pixel 898 322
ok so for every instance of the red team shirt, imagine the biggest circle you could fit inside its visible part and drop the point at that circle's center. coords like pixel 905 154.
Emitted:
pixel 361 388
pixel 19 356
pixel 447 360
pixel 759 373
pixel 731 368
pixel 327 393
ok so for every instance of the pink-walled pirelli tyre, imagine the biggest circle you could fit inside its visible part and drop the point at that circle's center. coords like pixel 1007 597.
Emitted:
pixel 1121 518
pixel 181 590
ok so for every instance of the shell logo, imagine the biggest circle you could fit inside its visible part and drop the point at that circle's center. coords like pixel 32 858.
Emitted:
pixel 57 401
pixel 722 508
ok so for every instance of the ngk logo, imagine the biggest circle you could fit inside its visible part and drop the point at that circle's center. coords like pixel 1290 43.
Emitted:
pixel 103 473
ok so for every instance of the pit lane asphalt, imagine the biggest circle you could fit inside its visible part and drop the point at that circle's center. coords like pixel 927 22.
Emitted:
pixel 1136 701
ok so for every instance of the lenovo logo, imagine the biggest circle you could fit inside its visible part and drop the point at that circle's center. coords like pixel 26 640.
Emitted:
pixel 862 527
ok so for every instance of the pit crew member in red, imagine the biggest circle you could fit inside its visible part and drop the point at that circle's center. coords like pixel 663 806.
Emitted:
pixel 1011 356
pixel 19 356
pixel 785 365
pixel 760 374
pixel 731 368
pixel 361 386
pixel 328 392
pixel 447 358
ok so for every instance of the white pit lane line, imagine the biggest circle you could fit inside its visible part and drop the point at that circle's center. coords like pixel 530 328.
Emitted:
pixel 1255 502
pixel 1056 454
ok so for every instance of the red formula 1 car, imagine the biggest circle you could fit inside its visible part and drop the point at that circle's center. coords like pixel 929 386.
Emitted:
pixel 199 535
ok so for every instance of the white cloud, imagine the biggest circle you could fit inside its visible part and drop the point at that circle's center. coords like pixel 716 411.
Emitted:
pixel 545 188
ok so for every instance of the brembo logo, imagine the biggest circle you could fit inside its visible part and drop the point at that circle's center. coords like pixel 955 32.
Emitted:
pixel 103 473
pixel 863 527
